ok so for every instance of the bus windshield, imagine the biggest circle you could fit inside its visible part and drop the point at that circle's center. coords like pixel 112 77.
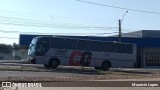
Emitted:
pixel 42 46
pixel 32 47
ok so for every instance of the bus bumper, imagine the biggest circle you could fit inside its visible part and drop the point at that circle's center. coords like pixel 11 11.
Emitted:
pixel 31 60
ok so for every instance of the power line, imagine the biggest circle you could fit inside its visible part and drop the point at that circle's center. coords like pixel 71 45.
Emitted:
pixel 9 38
pixel 128 9
pixel 23 22
pixel 23 14
pixel 7 31
pixel 95 34
pixel 73 34
pixel 46 19
pixel 130 30
pixel 65 27
pixel 38 33
pixel 4 31
pixel 139 35
pixel 130 35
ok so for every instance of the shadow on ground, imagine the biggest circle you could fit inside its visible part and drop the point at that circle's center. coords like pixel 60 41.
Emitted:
pixel 133 71
pixel 76 70
pixel 85 71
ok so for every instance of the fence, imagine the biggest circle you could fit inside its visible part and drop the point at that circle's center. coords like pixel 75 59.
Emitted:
pixel 19 55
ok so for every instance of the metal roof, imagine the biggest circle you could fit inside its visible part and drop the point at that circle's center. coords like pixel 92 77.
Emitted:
pixel 139 41
pixel 142 34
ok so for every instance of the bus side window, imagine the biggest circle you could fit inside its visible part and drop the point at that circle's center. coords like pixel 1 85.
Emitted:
pixel 119 48
pixel 129 49
pixel 108 47
pixel 57 43
pixel 83 45
pixel 71 44
pixel 96 46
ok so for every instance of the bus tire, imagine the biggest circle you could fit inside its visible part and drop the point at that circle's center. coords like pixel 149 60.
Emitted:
pixel 47 66
pixel 98 68
pixel 106 65
pixel 54 63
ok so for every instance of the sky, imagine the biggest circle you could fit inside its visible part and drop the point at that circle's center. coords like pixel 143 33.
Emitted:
pixel 75 17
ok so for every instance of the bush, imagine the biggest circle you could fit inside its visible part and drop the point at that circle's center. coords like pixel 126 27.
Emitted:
pixel 4 48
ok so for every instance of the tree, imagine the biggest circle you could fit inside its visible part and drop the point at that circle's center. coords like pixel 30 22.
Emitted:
pixel 4 48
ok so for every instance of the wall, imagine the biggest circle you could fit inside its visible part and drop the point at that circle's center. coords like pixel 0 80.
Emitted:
pixel 151 58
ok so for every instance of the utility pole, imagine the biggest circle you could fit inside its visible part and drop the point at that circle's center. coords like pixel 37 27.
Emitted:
pixel 13 51
pixel 119 36
pixel 120 23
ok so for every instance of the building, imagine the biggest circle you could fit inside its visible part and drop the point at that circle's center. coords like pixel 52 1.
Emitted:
pixel 148 47
pixel 147 41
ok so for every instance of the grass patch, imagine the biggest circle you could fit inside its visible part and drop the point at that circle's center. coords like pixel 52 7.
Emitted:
pixel 75 71
pixel 114 73
pixel 22 68
pixel 120 73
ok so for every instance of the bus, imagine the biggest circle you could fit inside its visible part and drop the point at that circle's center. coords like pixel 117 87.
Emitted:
pixel 52 51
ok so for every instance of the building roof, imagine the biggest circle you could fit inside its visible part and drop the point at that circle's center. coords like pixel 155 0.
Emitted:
pixel 147 38
pixel 142 34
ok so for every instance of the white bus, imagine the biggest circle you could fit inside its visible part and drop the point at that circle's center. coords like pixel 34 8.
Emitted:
pixel 52 51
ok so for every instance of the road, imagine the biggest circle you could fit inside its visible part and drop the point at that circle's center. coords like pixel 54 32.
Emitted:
pixel 89 88
pixel 39 73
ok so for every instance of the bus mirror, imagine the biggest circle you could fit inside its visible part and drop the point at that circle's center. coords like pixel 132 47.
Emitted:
pixel 30 46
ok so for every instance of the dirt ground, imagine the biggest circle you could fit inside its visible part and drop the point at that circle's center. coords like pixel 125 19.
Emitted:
pixel 37 73
pixel 32 72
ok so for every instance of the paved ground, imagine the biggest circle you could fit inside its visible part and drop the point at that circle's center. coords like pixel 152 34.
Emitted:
pixel 32 72
pixel 88 88
pixel 10 61
pixel 62 73
pixel 139 70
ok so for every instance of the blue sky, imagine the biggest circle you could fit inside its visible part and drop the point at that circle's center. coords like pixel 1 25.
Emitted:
pixel 72 17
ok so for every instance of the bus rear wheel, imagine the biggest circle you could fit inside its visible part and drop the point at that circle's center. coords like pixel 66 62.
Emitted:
pixel 106 65
pixel 54 63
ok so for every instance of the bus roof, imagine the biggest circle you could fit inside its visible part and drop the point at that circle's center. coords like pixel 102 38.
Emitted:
pixel 64 37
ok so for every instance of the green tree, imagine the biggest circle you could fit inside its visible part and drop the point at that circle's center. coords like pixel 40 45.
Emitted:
pixel 4 48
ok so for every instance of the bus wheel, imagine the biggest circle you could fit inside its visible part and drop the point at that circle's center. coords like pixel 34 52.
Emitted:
pixel 98 68
pixel 46 66
pixel 54 63
pixel 106 65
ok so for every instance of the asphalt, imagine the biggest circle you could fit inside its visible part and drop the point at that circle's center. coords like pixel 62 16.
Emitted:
pixel 138 70
pixel 128 70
